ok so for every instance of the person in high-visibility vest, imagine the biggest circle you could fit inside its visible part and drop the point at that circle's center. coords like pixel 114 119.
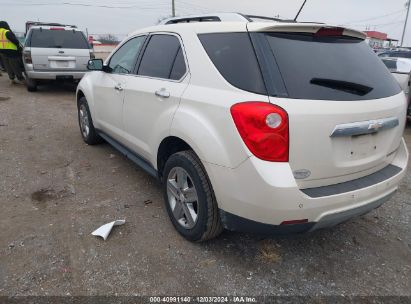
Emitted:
pixel 10 52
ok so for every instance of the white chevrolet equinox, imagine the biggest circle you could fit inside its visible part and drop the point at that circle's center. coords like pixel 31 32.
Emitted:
pixel 251 126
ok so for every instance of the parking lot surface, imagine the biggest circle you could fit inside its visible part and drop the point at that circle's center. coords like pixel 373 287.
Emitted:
pixel 55 190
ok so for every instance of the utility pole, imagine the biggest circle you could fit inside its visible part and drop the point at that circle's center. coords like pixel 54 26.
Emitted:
pixel 173 8
pixel 406 21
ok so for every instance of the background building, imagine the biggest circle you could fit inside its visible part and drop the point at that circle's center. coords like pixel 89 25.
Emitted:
pixel 378 40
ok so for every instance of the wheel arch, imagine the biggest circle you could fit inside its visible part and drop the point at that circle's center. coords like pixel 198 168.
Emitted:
pixel 79 95
pixel 84 89
pixel 169 146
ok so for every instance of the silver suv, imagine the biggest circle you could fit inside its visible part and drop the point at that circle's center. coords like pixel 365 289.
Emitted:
pixel 55 53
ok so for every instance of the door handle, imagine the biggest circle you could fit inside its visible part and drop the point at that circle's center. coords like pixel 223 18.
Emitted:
pixel 162 93
pixel 118 87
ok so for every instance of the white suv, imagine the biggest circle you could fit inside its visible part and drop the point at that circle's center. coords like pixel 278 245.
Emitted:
pixel 262 127
pixel 55 52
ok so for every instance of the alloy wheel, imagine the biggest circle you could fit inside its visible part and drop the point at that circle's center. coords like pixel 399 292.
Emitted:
pixel 84 121
pixel 182 197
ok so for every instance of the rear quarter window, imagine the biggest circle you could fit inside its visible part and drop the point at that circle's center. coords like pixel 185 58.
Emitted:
pixel 233 56
pixel 66 39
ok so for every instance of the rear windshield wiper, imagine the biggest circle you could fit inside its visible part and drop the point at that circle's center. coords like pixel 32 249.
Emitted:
pixel 346 86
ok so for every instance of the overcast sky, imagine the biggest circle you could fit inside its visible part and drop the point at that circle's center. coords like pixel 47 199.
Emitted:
pixel 383 15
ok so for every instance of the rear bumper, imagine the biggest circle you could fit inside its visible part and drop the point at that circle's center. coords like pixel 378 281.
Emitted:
pixel 236 223
pixel 258 197
pixel 53 75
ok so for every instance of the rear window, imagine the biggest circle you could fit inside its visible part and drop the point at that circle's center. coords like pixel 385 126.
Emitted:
pixel 398 54
pixel 66 39
pixel 327 68
pixel 397 66
pixel 233 55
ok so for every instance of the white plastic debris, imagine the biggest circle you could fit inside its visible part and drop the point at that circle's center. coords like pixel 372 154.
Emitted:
pixel 105 230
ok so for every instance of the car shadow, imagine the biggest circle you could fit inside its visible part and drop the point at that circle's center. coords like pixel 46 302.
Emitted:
pixel 54 87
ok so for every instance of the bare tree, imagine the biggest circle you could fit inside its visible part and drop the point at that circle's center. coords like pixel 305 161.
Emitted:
pixel 108 39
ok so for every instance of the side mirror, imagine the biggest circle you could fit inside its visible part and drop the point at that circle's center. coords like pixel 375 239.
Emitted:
pixel 95 65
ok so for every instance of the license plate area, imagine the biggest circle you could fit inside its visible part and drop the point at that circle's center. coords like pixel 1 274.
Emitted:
pixel 62 63
pixel 363 146
pixel 64 77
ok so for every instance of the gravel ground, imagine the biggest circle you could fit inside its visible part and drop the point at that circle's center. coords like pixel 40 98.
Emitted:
pixel 55 190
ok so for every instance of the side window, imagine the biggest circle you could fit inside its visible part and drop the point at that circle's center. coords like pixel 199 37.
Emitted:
pixel 179 67
pixel 123 61
pixel 233 56
pixel 163 58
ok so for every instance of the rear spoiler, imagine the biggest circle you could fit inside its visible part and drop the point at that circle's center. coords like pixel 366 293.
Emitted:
pixel 315 28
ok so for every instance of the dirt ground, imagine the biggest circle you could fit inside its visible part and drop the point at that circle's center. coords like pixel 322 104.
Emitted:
pixel 55 190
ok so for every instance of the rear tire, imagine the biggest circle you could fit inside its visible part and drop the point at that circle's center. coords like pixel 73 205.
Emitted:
pixel 190 200
pixel 31 85
pixel 88 132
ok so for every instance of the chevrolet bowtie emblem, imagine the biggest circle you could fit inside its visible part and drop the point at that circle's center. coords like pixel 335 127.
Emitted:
pixel 375 125
pixel 365 127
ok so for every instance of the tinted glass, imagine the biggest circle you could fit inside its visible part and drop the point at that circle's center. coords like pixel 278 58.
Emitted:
pixel 390 64
pixel 384 55
pixel 58 39
pixel 179 67
pixel 233 55
pixel 124 60
pixel 397 66
pixel 329 68
pixel 159 56
pixel 401 54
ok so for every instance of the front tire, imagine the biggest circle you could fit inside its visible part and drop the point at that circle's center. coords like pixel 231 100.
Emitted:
pixel 88 132
pixel 189 198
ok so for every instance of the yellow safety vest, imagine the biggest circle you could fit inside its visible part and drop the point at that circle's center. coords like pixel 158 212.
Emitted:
pixel 6 44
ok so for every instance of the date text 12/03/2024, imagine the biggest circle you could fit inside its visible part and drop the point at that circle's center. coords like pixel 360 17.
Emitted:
pixel 205 299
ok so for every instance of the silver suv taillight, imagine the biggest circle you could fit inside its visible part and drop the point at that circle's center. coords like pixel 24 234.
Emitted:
pixel 27 57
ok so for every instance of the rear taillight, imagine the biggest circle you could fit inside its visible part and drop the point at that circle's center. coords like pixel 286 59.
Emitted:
pixel 332 31
pixel 263 128
pixel 27 57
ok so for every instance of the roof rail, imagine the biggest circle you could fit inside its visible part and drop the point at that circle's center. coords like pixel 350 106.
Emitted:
pixel 29 24
pixel 252 17
pixel 221 17
pixel 194 19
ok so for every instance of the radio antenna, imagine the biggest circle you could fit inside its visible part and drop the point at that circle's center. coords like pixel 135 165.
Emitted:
pixel 301 8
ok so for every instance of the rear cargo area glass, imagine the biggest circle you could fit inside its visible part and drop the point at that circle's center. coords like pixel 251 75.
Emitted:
pixel 327 68
pixel 66 39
